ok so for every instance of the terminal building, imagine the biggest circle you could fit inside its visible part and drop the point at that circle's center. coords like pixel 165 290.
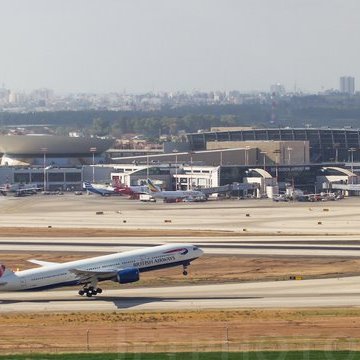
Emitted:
pixel 52 162
pixel 34 149
pixel 308 159
pixel 325 145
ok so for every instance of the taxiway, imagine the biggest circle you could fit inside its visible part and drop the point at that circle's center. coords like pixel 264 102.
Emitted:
pixel 279 294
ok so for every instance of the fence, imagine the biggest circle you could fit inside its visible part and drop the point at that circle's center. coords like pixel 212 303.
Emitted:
pixel 157 338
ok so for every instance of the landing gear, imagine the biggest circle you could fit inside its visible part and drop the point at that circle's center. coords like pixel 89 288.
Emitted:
pixel 90 291
pixel 185 270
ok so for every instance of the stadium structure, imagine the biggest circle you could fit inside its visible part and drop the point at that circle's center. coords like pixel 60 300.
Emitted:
pixel 326 145
pixel 31 150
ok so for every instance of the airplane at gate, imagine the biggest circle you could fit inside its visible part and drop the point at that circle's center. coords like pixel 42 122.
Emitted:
pixel 103 190
pixel 175 194
pixel 19 189
pixel 122 268
pixel 133 190
pixel 115 189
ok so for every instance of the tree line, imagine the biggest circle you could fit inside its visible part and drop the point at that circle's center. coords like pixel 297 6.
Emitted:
pixel 170 121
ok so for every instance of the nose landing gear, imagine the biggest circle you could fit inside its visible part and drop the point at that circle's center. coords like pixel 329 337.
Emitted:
pixel 185 272
pixel 90 291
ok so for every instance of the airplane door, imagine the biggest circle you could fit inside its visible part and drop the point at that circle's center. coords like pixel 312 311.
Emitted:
pixel 22 283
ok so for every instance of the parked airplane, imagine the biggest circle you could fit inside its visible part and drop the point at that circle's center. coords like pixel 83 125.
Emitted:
pixel 156 192
pixel 19 189
pixel 123 268
pixel 101 189
pixel 132 190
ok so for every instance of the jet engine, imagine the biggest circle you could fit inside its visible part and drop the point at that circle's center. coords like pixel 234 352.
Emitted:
pixel 128 275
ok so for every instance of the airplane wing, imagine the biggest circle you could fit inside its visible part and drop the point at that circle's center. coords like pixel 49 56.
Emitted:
pixel 42 263
pixel 86 276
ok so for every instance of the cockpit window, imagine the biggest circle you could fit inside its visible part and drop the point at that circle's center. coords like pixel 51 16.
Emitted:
pixel 195 248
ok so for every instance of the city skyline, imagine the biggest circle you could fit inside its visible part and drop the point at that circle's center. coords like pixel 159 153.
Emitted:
pixel 140 46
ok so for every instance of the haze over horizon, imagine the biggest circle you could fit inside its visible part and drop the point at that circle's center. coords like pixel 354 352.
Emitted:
pixel 167 45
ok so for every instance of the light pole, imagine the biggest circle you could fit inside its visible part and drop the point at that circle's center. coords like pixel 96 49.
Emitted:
pixel 352 150
pixel 289 149
pixel 247 155
pixel 277 152
pixel 93 151
pixel 44 151
pixel 147 166
pixel 264 158
pixel 337 145
pixel 176 168
pixel 191 169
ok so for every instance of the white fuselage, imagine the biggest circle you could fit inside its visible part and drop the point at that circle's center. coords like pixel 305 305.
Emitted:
pixel 66 274
pixel 178 194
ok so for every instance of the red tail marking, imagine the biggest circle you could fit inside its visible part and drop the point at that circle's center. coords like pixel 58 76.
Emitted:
pixel 2 270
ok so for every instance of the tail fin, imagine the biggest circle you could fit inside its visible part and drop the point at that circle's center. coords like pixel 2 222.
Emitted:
pixel 87 185
pixel 4 271
pixel 152 186
pixel 117 184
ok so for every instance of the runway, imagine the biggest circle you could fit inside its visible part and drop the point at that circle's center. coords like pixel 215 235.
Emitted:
pixel 337 235
pixel 217 245
pixel 342 292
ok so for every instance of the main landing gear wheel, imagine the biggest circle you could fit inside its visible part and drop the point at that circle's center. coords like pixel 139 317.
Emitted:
pixel 90 291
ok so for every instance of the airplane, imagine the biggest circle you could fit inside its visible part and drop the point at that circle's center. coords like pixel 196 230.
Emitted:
pixel 156 192
pixel 19 189
pixel 100 189
pixel 122 268
pixel 131 190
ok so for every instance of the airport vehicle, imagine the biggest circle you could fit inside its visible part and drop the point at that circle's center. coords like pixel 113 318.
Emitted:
pixel 122 267
pixel 281 198
pixel 156 192
pixel 146 198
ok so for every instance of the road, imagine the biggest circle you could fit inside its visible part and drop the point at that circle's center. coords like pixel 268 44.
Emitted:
pixel 280 294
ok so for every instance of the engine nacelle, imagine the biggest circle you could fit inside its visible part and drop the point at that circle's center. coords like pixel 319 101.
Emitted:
pixel 128 275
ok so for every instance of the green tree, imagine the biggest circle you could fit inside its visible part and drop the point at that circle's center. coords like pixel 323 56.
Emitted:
pixel 100 127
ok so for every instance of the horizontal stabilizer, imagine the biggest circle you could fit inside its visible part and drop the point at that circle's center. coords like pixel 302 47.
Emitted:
pixel 42 263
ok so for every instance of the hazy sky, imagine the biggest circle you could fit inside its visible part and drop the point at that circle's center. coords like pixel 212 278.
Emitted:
pixel 143 45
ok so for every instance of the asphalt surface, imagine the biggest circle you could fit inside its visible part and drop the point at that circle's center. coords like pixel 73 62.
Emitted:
pixel 330 229
pixel 280 294
pixel 216 246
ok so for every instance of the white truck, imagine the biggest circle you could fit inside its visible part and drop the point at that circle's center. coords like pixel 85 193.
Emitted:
pixel 146 198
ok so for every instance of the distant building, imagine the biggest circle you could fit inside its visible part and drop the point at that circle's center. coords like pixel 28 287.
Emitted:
pixel 36 149
pixel 347 85
pixel 278 89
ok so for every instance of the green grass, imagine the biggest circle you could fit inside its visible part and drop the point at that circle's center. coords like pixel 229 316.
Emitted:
pixel 290 355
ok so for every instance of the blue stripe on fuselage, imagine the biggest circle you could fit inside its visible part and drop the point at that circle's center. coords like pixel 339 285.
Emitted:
pixel 53 286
